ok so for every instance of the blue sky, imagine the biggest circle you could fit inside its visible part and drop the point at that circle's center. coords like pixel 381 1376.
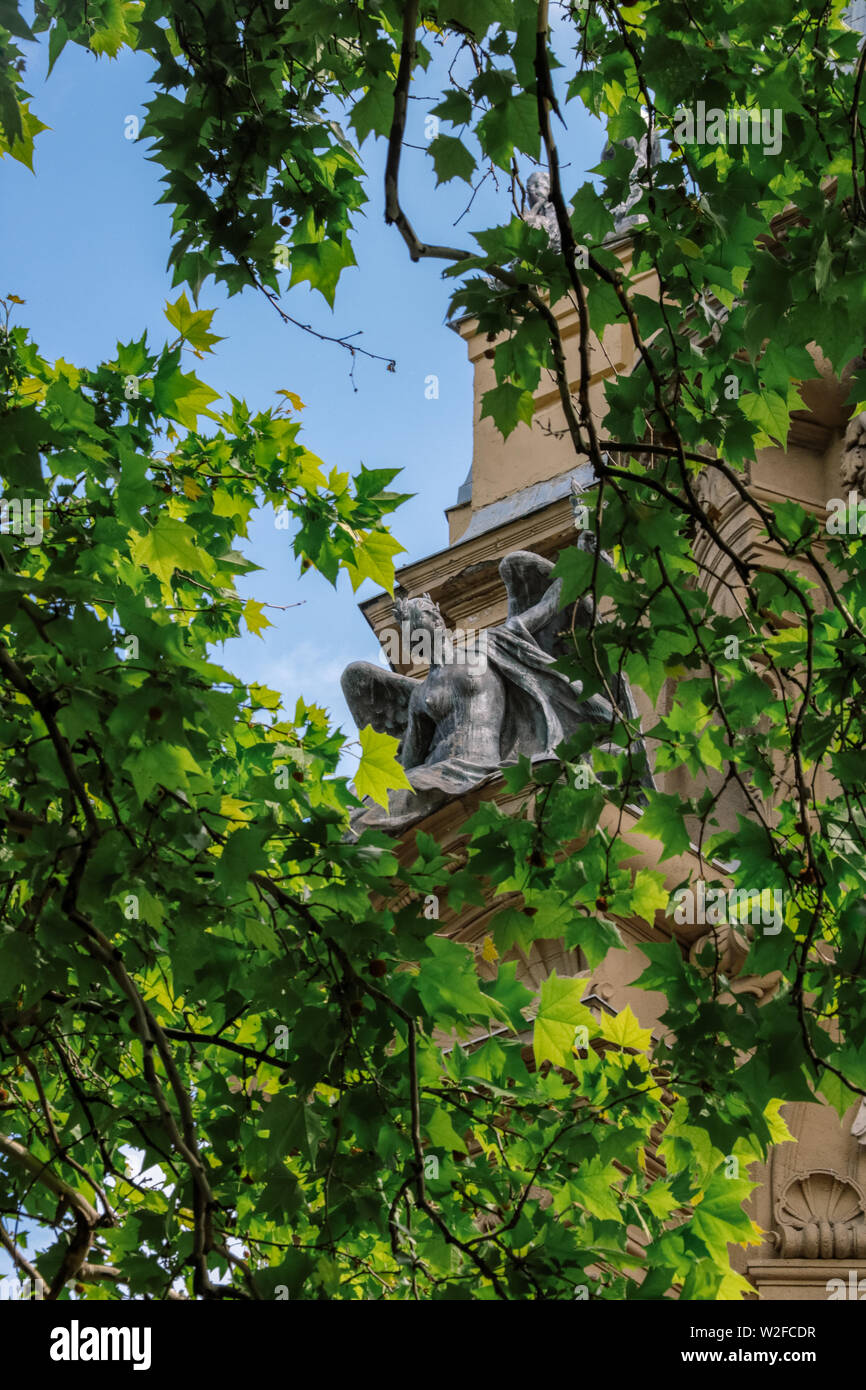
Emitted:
pixel 85 245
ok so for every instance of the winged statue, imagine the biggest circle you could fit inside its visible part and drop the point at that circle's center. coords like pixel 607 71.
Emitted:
pixel 466 720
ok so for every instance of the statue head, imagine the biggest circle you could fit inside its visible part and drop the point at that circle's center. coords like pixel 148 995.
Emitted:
pixel 420 612
pixel 538 187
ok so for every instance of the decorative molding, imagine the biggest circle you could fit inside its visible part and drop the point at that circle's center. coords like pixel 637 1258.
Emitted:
pixel 821 1215
pixel 727 957
pixel 801 1280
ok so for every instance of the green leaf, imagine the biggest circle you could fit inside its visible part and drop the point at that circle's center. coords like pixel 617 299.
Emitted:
pixel 663 820
pixel 448 985
pixel 442 1132
pixel 374 112
pixel 168 546
pixel 649 894
pixel 11 111
pixel 719 1219
pixel 823 265
pixel 660 1200
pixel 114 26
pixel 837 1094
pixel 181 396
pixel 507 405
pixel 590 216
pixel 451 159
pixel 11 19
pixel 771 412
pixel 58 37
pixel 160 764
pixel 378 770
pixel 455 107
pixel 322 263
pixel 512 124
pixel 593 1189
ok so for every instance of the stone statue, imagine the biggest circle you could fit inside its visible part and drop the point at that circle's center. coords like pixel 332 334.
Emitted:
pixel 469 718
pixel 622 214
pixel 541 212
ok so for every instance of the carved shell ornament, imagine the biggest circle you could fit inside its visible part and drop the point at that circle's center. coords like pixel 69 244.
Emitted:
pixel 822 1216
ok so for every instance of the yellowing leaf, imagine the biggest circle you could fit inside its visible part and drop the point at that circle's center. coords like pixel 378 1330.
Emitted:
pixel 192 324
pixel 293 398
pixel 779 1131
pixel 560 1013
pixel 263 696
pixel 21 147
pixel 734 1287
pixel 488 950
pixel 625 1030
pixel 113 28
pixel 661 1200
pixel 227 504
pixel 254 617
pixel 192 490
pixel 378 771
pixel 31 388
pixel 311 474
pixel 649 894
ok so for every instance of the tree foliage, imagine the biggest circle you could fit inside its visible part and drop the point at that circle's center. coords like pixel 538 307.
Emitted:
pixel 195 964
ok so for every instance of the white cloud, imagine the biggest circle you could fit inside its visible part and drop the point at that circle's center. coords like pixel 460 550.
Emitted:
pixel 310 671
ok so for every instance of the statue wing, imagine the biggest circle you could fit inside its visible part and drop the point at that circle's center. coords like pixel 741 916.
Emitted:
pixel 376 697
pixel 526 578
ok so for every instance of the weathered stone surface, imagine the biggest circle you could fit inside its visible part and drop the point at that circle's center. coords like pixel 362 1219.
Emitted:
pixel 468 718
pixel 852 465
